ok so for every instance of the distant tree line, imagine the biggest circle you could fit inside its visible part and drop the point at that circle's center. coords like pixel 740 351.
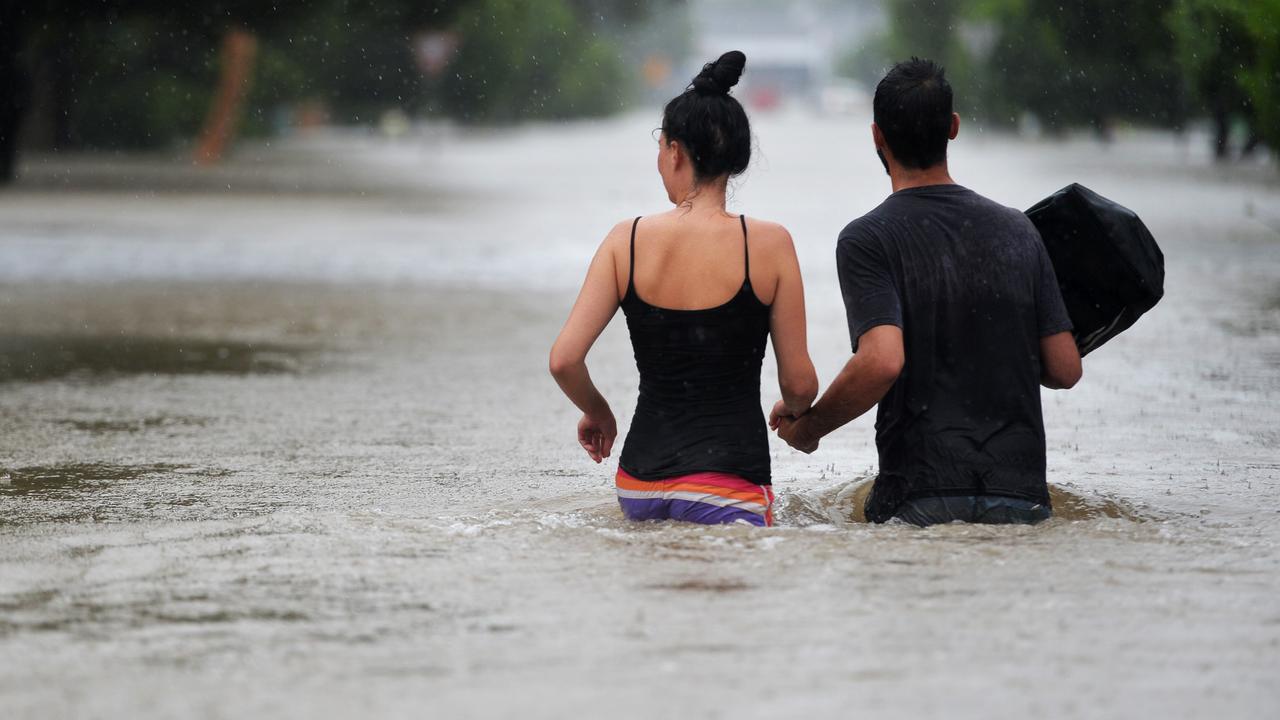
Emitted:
pixel 1094 63
pixel 144 73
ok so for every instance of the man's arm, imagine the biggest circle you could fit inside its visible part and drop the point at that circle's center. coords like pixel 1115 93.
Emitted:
pixel 860 385
pixel 1059 357
pixel 1060 367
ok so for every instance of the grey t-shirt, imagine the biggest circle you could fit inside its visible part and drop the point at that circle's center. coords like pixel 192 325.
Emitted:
pixel 971 286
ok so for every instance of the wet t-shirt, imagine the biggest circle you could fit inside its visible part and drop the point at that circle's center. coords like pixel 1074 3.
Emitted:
pixel 971 286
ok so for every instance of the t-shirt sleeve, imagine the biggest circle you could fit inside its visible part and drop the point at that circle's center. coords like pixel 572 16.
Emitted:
pixel 866 282
pixel 1051 311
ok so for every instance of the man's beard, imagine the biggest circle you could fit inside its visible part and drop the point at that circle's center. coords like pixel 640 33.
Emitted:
pixel 883 162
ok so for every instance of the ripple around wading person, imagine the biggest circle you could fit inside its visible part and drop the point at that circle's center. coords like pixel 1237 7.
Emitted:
pixel 955 309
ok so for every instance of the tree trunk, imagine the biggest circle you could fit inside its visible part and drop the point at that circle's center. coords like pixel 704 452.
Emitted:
pixel 13 90
pixel 236 70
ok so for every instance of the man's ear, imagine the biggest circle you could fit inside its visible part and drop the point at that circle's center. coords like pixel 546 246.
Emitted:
pixel 955 126
pixel 877 137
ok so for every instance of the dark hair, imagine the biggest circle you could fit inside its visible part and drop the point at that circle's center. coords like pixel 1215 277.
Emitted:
pixel 710 123
pixel 913 111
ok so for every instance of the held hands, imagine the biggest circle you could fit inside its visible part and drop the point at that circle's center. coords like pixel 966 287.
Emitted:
pixel 596 435
pixel 779 411
pixel 788 426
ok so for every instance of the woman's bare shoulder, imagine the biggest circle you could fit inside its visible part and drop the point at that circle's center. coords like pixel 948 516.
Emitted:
pixel 622 227
pixel 619 235
pixel 769 236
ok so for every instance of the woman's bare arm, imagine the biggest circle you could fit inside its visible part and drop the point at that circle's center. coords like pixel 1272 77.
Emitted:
pixel 797 380
pixel 596 305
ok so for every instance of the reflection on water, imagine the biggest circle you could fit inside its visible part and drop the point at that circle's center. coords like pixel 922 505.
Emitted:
pixel 131 426
pixel 703 585
pixel 102 492
pixel 70 481
pixel 46 357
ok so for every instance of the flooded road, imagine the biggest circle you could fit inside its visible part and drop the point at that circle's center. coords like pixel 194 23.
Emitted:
pixel 282 443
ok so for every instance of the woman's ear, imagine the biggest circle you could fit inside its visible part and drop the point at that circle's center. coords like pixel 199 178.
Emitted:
pixel 677 154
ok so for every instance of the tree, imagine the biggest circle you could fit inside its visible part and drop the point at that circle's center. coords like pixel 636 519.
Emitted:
pixel 140 73
pixel 520 60
pixel 14 91
pixel 1086 62
pixel 931 29
pixel 1230 52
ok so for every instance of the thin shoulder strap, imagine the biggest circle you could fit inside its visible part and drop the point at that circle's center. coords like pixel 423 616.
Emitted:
pixel 746 252
pixel 631 269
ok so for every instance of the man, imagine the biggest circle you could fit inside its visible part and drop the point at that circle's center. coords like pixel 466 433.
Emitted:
pixel 956 319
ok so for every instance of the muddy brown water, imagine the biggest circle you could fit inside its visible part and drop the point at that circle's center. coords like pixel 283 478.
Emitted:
pixel 297 455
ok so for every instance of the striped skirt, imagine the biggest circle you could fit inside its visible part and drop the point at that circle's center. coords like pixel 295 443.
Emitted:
pixel 710 498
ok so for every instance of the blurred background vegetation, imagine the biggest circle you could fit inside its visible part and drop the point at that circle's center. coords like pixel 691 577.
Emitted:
pixel 127 74
pixel 139 74
pixel 1057 65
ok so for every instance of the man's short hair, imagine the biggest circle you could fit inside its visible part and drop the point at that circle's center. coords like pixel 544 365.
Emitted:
pixel 913 110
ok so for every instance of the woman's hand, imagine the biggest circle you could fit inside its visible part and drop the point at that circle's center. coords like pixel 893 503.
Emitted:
pixel 785 420
pixel 596 434
pixel 596 305
pixel 780 411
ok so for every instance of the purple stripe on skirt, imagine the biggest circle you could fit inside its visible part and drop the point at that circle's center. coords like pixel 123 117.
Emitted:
pixel 686 510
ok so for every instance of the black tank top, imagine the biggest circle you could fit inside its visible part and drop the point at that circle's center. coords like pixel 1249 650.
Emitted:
pixel 699 406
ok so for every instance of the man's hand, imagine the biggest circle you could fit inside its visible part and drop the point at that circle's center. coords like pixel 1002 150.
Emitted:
pixel 785 421
pixel 791 430
pixel 860 385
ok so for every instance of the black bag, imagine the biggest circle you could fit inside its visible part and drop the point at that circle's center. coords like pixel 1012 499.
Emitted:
pixel 1109 267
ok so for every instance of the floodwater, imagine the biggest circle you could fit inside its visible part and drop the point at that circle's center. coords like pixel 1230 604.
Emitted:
pixel 278 440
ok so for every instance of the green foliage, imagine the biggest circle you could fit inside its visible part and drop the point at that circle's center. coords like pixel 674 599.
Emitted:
pixel 925 28
pixel 356 65
pixel 1083 63
pixel 1093 62
pixel 142 74
pixel 1230 51
pixel 138 85
pixel 931 29
pixel 1261 79
pixel 355 58
pixel 867 61
pixel 521 60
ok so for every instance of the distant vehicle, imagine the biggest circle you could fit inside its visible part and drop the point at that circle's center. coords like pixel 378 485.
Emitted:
pixel 783 66
pixel 843 97
pixel 763 97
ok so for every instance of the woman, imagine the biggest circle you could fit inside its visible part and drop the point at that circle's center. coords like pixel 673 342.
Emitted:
pixel 701 290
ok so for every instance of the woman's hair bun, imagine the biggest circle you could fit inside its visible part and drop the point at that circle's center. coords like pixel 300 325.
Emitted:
pixel 717 77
